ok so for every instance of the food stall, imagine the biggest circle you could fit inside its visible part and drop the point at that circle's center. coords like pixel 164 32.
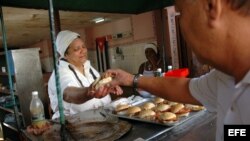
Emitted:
pixel 196 128
pixel 110 125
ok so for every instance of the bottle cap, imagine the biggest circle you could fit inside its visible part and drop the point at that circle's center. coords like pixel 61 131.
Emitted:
pixel 35 93
pixel 159 69
pixel 170 67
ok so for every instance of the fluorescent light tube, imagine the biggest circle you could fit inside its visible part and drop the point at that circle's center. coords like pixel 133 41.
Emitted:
pixel 98 20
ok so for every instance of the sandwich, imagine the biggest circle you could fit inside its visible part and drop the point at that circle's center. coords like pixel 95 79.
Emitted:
pixel 101 81
pixel 148 105
pixel 167 117
pixel 180 110
pixel 162 108
pixel 171 103
pixel 194 107
pixel 133 111
pixel 158 100
pixel 122 107
pixel 147 114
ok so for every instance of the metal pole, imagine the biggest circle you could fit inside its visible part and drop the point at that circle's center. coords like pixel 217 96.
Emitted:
pixel 106 47
pixel 57 77
pixel 8 69
pixel 163 35
pixel 97 56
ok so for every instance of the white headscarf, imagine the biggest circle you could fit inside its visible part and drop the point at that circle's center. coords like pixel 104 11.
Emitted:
pixel 63 40
pixel 150 45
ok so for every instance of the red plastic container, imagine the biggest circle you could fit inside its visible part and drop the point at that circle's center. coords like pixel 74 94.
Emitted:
pixel 184 72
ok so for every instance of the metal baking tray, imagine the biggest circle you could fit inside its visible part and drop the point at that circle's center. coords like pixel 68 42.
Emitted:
pixel 179 121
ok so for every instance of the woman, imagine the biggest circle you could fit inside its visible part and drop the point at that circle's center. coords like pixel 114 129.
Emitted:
pixel 150 66
pixel 153 61
pixel 76 77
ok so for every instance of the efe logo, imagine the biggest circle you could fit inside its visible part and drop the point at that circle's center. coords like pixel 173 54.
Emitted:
pixel 237 132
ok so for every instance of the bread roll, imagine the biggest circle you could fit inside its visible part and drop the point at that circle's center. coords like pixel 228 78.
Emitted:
pixel 100 82
pixel 147 114
pixel 133 110
pixel 158 100
pixel 148 105
pixel 167 117
pixel 162 108
pixel 194 107
pixel 122 107
pixel 180 110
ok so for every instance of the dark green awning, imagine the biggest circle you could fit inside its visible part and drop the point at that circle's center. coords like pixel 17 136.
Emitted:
pixel 108 6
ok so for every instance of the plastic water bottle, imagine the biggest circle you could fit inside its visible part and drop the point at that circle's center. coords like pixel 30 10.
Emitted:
pixel 170 68
pixel 158 73
pixel 37 111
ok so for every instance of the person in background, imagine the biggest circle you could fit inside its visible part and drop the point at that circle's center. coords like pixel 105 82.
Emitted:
pixel 76 76
pixel 218 33
pixel 153 60
pixel 148 67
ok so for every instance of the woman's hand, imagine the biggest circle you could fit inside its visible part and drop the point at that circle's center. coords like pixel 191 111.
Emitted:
pixel 117 90
pixel 104 90
pixel 99 92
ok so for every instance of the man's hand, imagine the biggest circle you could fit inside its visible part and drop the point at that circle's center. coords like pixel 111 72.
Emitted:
pixel 120 77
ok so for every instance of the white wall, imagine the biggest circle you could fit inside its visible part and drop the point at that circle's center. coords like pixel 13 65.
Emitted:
pixel 133 56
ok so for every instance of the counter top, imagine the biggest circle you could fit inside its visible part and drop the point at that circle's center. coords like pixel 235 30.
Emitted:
pixel 200 127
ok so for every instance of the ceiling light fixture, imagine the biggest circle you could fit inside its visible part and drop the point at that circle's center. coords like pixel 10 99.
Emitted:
pixel 98 20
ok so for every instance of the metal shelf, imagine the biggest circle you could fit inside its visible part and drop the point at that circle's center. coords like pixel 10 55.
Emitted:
pixel 9 110
pixel 11 126
pixel 3 73
pixel 24 82
pixel 6 91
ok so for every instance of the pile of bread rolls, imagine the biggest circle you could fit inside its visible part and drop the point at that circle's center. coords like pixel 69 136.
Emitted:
pixel 157 110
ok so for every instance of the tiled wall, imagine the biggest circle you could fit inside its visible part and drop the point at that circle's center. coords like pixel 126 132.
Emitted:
pixel 130 59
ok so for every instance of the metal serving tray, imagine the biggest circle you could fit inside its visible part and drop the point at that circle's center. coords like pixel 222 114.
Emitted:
pixel 140 103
